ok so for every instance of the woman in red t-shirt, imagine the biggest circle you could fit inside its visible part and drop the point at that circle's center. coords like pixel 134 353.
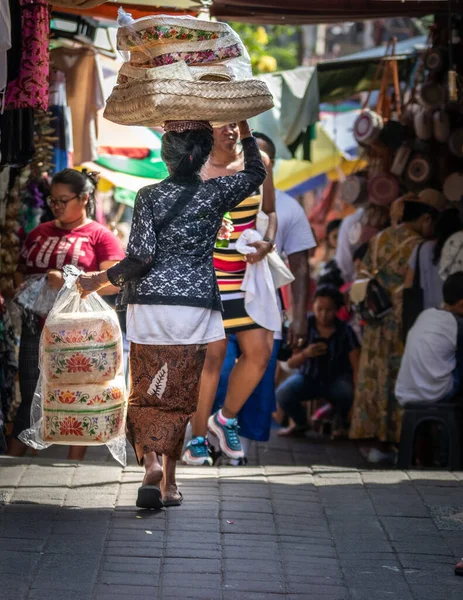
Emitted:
pixel 73 238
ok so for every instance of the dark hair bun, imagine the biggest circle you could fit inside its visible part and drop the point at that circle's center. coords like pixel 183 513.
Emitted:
pixel 186 152
pixel 93 176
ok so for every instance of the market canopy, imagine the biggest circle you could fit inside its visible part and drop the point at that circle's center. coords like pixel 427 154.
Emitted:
pixel 269 12
pixel 299 12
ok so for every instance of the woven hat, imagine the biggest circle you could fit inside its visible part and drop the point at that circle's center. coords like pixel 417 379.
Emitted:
pixel 151 103
pixel 432 198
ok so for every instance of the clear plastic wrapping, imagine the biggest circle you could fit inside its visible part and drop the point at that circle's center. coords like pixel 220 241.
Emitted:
pixel 36 296
pixel 180 48
pixel 80 398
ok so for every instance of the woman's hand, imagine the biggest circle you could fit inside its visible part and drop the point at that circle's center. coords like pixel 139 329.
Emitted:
pixel 314 350
pixel 263 248
pixel 245 130
pixel 55 279
pixel 91 282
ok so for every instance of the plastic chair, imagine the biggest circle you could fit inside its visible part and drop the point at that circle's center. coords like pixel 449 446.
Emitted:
pixel 447 414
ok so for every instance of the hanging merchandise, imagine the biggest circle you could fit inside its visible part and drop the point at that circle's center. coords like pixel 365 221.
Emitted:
pixel 441 126
pixel 353 189
pixel 10 206
pixel 152 167
pixel 5 44
pixel 61 122
pixel 182 68
pixel 381 132
pixel 85 96
pixel 16 137
pixel 30 88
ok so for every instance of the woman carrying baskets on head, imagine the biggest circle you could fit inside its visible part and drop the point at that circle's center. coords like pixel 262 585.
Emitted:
pixel 170 287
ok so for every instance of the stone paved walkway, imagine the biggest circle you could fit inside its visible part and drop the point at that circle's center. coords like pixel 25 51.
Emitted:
pixel 325 532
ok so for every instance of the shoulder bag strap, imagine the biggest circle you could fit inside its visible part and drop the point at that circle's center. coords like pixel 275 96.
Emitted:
pixel 417 274
pixel 177 208
pixel 397 250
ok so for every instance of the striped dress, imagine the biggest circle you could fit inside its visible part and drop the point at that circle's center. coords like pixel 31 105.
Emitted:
pixel 230 268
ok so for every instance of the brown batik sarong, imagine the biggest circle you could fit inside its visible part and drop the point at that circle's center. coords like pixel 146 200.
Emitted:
pixel 163 397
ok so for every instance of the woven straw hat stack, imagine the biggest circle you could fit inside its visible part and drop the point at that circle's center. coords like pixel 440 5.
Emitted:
pixel 182 68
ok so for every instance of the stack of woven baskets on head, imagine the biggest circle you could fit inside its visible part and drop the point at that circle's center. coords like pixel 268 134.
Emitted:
pixel 182 68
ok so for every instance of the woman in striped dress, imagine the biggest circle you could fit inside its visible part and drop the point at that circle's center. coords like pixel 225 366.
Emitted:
pixel 255 343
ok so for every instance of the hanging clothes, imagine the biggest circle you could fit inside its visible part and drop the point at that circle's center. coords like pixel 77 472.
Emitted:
pixel 17 137
pixel 5 44
pixel 85 96
pixel 30 88
pixel 61 122
pixel 13 56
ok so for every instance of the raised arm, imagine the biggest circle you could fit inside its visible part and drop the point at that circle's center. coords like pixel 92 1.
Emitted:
pixel 235 188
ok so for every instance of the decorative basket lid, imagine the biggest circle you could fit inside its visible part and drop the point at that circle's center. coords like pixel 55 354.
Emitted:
pixel 419 169
pixel 367 126
pixel 453 187
pixel 456 142
pixel 432 95
pixel 353 188
pixel 383 189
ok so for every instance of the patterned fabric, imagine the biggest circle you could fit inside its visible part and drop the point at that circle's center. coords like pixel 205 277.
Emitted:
pixel 30 88
pixel 175 267
pixel 96 365
pixel 376 413
pixel 85 427
pixel 198 57
pixel 230 268
pixel 164 396
pixel 452 256
pixel 82 386
pixel 165 32
pixel 104 396
pixel 83 414
pixel 82 349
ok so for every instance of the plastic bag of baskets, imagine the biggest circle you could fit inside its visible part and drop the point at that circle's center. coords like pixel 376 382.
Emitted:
pixel 183 68
pixel 80 398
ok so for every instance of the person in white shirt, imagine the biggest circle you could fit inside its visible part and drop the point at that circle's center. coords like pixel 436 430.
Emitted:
pixel 432 361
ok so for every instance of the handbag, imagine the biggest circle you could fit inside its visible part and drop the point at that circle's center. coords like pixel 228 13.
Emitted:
pixel 413 299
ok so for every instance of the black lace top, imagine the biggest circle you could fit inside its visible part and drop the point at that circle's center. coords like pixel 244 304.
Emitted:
pixel 174 266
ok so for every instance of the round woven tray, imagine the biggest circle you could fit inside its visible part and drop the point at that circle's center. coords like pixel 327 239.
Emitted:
pixel 151 103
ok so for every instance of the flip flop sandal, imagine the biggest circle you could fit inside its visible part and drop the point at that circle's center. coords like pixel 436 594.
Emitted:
pixel 459 568
pixel 149 497
pixel 178 502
